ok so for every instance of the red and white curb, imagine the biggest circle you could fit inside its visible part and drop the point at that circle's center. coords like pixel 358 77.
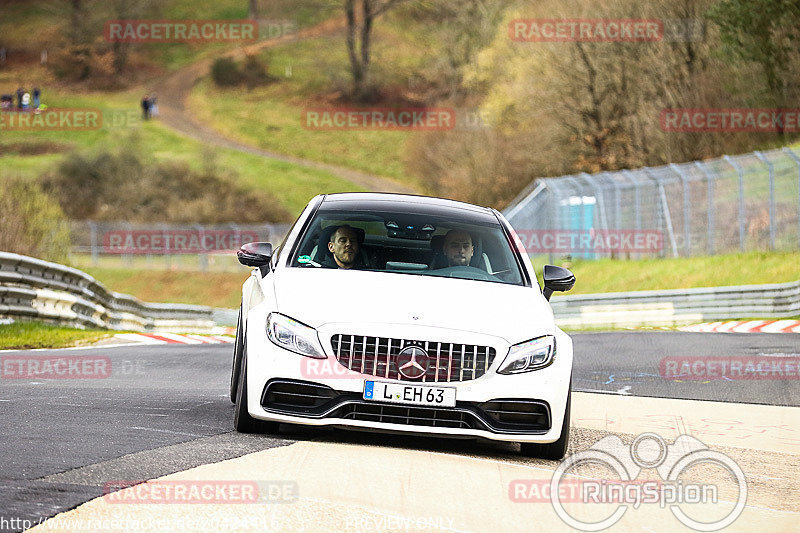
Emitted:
pixel 173 338
pixel 747 326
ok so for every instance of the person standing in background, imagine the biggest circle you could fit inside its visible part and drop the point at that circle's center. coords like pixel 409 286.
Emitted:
pixel 20 94
pixel 146 107
pixel 153 105
pixel 37 94
pixel 26 101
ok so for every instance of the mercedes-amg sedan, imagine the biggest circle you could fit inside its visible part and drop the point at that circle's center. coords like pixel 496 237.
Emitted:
pixel 405 314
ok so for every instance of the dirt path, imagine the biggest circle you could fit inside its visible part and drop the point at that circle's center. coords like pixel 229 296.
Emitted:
pixel 173 92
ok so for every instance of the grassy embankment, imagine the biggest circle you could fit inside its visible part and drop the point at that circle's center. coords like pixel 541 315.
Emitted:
pixel 32 153
pixel 29 335
pixel 292 185
pixel 272 117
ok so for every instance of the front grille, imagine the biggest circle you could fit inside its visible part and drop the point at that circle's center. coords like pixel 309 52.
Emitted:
pixel 409 416
pixel 377 356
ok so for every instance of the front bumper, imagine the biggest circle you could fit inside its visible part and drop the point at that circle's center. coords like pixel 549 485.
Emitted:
pixel 286 387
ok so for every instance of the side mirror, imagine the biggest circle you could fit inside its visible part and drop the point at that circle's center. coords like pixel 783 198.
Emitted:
pixel 255 254
pixel 557 279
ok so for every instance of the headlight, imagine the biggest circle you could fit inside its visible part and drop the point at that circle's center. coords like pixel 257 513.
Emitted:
pixel 529 355
pixel 294 336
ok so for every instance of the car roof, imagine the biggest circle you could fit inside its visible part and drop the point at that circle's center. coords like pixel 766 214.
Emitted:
pixel 379 201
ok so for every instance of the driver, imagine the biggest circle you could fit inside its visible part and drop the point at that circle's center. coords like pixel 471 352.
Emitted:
pixel 345 249
pixel 458 248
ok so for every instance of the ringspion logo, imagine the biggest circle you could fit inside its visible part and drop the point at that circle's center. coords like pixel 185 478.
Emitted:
pixel 624 489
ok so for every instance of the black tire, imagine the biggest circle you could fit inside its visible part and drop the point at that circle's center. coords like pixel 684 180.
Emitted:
pixel 555 450
pixel 238 348
pixel 242 421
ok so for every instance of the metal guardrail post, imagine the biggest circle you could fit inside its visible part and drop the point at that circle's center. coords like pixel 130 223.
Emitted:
pixel 664 209
pixel 127 258
pixel 771 169
pixel 637 199
pixel 687 213
pixel 740 172
pixel 790 153
pixel 598 192
pixel 617 203
pixel 202 258
pixel 165 234
pixel 710 194
pixel 518 207
pixel 93 237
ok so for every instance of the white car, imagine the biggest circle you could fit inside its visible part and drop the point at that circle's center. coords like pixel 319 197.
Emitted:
pixel 402 313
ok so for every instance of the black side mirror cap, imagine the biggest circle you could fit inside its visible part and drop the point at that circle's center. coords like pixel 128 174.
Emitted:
pixel 557 279
pixel 255 254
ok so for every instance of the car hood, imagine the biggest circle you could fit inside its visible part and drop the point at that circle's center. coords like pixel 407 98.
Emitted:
pixel 318 297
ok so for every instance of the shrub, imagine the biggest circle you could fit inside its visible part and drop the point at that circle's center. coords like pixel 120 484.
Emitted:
pixel 254 72
pixel 225 72
pixel 32 223
pixel 123 185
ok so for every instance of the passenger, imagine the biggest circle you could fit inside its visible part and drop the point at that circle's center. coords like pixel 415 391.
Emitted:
pixel 345 249
pixel 457 248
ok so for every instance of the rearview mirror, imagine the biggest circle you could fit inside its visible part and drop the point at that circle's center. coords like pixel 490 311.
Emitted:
pixel 557 279
pixel 255 254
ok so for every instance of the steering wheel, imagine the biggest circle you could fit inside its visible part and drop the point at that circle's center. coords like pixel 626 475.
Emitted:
pixel 465 272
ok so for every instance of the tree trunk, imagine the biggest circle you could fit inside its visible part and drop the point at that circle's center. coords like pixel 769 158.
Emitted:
pixel 252 12
pixel 366 32
pixel 352 52
pixel 77 17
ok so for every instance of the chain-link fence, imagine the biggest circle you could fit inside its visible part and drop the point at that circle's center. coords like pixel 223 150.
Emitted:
pixel 162 246
pixel 734 203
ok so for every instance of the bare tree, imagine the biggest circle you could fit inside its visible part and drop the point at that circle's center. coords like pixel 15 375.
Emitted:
pixel 126 9
pixel 361 16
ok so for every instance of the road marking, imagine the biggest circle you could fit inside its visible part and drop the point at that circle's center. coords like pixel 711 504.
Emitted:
pixel 184 339
pixel 168 431
pixel 746 326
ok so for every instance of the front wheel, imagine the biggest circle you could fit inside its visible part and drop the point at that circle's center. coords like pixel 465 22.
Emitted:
pixel 238 348
pixel 242 421
pixel 555 450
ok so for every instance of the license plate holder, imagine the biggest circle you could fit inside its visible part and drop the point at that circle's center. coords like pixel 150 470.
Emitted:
pixel 409 394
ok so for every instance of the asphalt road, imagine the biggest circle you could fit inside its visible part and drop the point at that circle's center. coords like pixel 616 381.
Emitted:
pixel 164 409
pixel 631 363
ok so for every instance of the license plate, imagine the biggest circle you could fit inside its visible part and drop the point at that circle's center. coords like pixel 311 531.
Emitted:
pixel 380 391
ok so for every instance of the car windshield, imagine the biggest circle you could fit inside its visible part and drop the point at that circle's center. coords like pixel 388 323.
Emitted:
pixel 446 243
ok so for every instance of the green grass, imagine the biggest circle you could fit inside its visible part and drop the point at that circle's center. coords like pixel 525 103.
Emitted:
pixel 609 275
pixel 215 289
pixel 270 117
pixel 292 185
pixel 28 335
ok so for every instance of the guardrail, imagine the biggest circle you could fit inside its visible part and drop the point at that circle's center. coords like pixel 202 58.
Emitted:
pixel 35 289
pixel 677 306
